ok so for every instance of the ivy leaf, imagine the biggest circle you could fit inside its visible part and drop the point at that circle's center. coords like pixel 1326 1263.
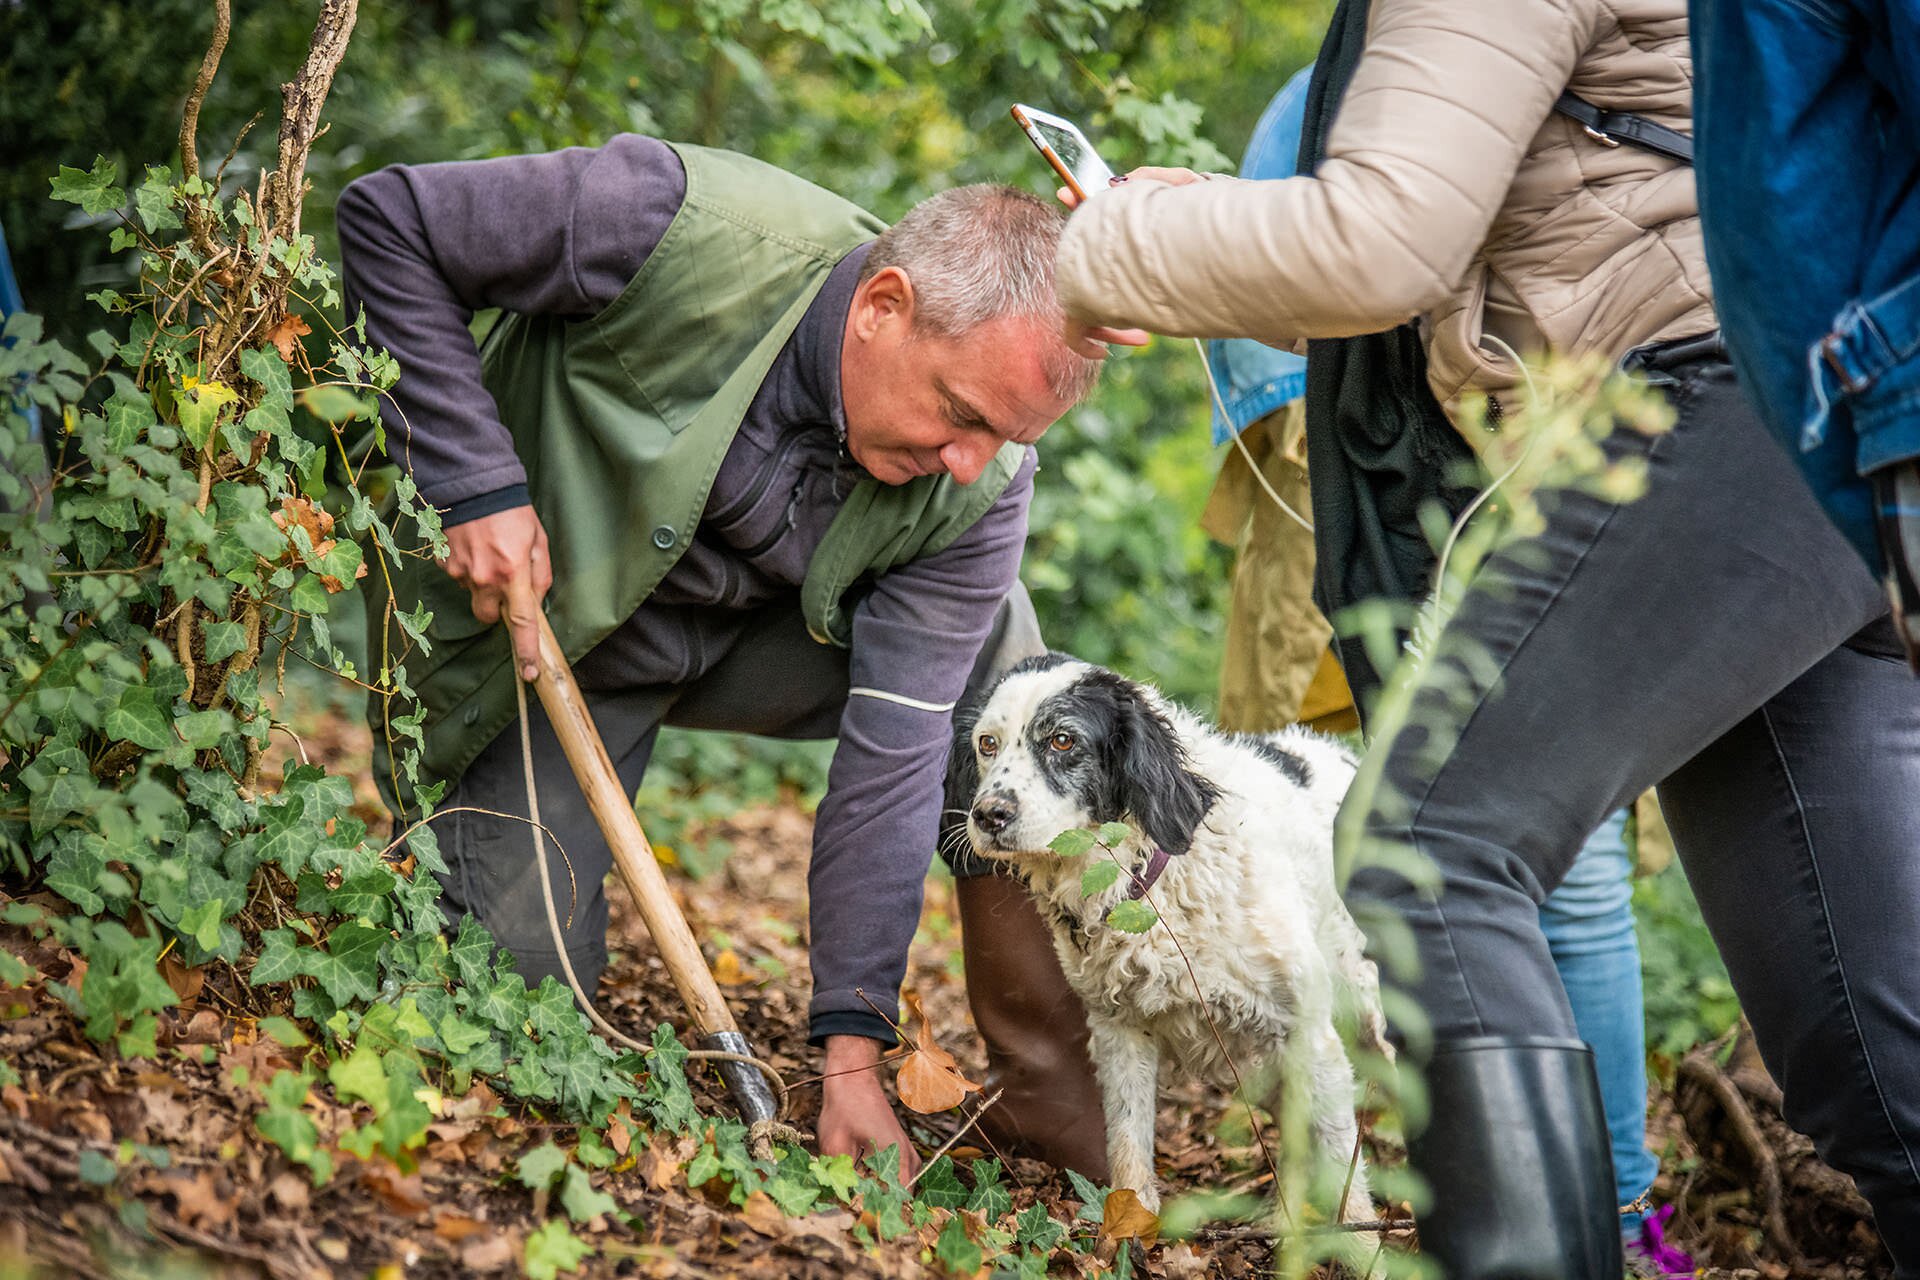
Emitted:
pixel 287 1125
pixel 154 199
pixel 1098 878
pixel 224 639
pixel 1035 1228
pixel 554 1248
pixel 360 1075
pixel 364 894
pixel 97 1168
pixel 91 189
pixel 836 1174
pixel 955 1251
pixel 580 1200
pixel 470 951
pixel 199 406
pixel 1093 1200
pixel 939 1186
pixel 1072 843
pixel 795 1196
pixel 333 404
pixel 990 1196
pixel 459 1036
pixel 286 841
pixel 283 1031
pixel 539 1167
pixel 202 923
pixel 1131 915
pixel 349 969
pixel 138 719
pixel 504 1004
pixel 279 958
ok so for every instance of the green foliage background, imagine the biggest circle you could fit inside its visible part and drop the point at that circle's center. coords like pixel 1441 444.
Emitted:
pixel 885 102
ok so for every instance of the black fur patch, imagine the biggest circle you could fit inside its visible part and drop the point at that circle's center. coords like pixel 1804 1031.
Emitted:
pixel 1293 766
pixel 1038 662
pixel 1124 759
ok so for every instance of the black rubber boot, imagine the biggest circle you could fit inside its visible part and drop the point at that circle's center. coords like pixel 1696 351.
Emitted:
pixel 1517 1161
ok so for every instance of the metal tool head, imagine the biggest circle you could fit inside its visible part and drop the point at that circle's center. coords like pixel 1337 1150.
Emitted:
pixel 745 1082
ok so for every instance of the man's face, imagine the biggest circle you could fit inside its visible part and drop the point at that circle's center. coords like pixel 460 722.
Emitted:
pixel 921 405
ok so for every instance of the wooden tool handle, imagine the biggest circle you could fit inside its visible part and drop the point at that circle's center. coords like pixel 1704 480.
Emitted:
pixel 613 810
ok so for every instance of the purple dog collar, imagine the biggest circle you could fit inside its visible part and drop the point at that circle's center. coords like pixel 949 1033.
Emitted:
pixel 1143 880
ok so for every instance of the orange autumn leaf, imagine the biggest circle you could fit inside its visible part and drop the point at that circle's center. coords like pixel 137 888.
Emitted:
pixel 727 969
pixel 286 336
pixel 1125 1218
pixel 317 521
pixel 930 1079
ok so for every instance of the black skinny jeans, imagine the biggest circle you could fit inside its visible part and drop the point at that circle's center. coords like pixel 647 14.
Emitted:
pixel 1717 637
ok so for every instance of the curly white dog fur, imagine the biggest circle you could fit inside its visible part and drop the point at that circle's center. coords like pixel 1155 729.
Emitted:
pixel 1247 889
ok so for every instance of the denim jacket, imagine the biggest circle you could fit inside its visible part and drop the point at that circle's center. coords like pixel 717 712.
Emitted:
pixel 1808 157
pixel 1254 378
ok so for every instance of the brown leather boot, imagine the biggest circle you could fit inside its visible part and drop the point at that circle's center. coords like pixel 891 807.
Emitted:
pixel 1035 1031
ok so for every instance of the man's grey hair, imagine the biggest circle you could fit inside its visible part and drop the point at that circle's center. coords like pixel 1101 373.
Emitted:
pixel 979 253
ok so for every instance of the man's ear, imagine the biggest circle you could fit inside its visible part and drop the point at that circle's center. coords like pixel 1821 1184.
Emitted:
pixel 1151 778
pixel 884 299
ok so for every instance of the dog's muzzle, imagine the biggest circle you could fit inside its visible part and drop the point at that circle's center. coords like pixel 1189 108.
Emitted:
pixel 992 814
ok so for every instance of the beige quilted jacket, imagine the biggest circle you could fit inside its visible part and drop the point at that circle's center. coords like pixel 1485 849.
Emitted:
pixel 1451 192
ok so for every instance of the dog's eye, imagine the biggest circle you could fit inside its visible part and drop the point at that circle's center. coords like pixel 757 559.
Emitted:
pixel 1061 742
pixel 988 745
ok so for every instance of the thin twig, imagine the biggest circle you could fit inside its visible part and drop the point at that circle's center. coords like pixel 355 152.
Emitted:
pixel 959 1133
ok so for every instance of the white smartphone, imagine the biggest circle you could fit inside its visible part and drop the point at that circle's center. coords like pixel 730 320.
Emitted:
pixel 1065 148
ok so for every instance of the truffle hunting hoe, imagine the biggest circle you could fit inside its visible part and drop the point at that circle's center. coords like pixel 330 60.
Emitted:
pixel 613 810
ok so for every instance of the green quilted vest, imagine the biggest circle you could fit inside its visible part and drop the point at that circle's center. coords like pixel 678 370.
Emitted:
pixel 622 421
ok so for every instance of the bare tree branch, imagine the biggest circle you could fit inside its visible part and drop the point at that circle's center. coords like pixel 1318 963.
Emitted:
pixel 303 97
pixel 190 119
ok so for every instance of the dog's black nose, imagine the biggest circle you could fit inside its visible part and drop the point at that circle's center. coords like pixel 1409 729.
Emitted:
pixel 992 814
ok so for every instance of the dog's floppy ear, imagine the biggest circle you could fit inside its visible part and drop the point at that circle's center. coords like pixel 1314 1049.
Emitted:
pixel 963 773
pixel 1150 776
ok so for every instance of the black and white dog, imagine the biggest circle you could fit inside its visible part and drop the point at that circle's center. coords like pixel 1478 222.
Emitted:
pixel 1230 839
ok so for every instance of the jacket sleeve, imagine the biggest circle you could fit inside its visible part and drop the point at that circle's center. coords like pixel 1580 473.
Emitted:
pixel 423 247
pixel 1436 120
pixel 915 638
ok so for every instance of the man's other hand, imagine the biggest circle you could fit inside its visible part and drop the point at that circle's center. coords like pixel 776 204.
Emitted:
pixel 502 560
pixel 855 1116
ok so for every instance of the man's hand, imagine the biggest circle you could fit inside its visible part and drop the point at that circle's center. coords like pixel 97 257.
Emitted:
pixel 855 1116
pixel 502 560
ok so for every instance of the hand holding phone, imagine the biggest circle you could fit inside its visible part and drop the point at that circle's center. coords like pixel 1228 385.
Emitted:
pixel 1060 141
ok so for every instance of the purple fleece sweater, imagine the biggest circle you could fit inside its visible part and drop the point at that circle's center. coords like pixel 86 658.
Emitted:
pixel 423 247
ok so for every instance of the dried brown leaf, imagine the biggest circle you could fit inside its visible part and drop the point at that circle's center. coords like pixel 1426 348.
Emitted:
pixel 491 1253
pixel 286 336
pixel 401 1192
pixel 930 1078
pixel 455 1227
pixel 763 1215
pixel 1127 1219
pixel 201 1202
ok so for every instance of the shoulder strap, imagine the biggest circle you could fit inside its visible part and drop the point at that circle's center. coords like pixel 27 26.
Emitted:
pixel 1612 128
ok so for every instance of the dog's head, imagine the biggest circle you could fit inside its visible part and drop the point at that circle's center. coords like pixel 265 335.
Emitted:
pixel 1059 744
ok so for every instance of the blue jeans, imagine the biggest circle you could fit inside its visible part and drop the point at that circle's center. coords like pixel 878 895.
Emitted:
pixel 1588 921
